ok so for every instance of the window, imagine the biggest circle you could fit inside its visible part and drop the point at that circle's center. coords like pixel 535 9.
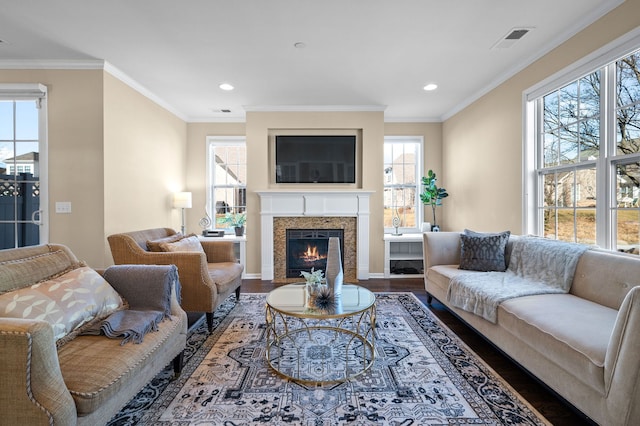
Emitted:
pixel 22 165
pixel 402 180
pixel 583 165
pixel 227 178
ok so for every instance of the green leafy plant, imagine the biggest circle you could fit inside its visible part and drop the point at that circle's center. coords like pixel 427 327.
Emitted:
pixel 431 194
pixel 234 220
pixel 313 277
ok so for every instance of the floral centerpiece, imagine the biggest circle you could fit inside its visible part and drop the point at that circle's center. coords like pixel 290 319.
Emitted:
pixel 319 295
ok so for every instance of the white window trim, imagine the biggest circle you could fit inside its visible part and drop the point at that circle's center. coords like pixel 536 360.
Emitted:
pixel 36 91
pixel 217 140
pixel 419 208
pixel 611 52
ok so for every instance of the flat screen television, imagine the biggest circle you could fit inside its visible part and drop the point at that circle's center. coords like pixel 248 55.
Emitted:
pixel 315 159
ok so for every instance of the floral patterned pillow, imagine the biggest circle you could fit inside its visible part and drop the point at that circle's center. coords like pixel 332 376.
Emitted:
pixel 66 302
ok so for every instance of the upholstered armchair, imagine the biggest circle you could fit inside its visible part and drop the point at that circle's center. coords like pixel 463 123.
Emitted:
pixel 209 271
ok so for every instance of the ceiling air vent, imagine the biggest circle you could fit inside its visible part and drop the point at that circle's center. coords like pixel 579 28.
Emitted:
pixel 511 38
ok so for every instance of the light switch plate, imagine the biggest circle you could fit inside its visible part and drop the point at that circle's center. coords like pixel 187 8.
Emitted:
pixel 63 206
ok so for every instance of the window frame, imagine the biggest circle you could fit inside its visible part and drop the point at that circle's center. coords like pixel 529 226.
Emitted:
pixel 212 141
pixel 602 60
pixel 419 172
pixel 38 93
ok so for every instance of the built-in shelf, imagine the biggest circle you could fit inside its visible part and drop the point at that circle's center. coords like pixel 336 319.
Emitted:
pixel 403 256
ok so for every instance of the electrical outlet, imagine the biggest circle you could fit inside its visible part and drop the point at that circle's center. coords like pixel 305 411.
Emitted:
pixel 63 206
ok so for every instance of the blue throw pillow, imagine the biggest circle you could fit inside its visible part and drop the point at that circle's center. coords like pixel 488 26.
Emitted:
pixel 483 252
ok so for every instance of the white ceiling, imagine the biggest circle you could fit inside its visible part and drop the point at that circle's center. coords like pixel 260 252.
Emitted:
pixel 359 54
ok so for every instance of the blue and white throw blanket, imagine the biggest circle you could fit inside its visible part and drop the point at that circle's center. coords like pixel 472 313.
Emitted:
pixel 537 266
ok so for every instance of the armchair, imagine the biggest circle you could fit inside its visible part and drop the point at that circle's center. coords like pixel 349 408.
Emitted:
pixel 207 279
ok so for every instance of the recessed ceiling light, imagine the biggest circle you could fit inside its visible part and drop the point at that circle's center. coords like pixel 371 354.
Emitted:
pixel 299 45
pixel 226 86
pixel 431 86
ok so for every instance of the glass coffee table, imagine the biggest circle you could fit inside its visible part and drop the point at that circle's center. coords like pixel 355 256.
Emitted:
pixel 312 345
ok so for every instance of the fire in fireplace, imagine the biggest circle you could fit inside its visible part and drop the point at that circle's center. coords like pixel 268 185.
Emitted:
pixel 307 248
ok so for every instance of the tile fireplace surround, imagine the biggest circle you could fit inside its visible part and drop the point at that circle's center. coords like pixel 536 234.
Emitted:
pixel 336 206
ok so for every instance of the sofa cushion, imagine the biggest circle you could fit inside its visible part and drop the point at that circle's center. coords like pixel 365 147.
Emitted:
pixel 226 275
pixel 189 243
pixel 67 302
pixel 483 252
pixel 19 273
pixel 108 368
pixel 155 245
pixel 569 331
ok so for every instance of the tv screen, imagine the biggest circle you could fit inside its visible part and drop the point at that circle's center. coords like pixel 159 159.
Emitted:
pixel 315 159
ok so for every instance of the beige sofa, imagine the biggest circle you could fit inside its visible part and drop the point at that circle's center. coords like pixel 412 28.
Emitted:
pixel 88 379
pixel 585 345
pixel 208 275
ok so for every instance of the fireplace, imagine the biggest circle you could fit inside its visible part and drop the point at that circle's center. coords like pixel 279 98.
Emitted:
pixel 307 249
pixel 314 209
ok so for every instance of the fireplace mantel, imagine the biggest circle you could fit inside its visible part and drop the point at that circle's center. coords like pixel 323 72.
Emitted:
pixel 292 203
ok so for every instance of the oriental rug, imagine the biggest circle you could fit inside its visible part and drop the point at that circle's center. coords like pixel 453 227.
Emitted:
pixel 422 375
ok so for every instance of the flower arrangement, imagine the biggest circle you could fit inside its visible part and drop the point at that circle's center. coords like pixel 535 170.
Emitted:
pixel 313 277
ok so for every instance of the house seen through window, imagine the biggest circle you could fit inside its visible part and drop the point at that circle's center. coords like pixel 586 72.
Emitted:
pixel 587 157
pixel 227 178
pixel 402 180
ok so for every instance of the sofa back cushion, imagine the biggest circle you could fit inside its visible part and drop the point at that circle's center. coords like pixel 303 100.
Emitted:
pixel 67 302
pixel 39 263
pixel 605 277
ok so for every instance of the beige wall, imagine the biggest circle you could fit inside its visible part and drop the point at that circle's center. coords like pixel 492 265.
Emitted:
pixel 197 164
pixel 482 144
pixel 145 157
pixel 113 153
pixel 258 125
pixel 75 108
pixel 257 130
pixel 432 156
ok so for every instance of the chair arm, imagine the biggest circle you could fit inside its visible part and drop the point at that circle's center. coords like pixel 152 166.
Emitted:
pixel 33 390
pixel 219 251
pixel 441 248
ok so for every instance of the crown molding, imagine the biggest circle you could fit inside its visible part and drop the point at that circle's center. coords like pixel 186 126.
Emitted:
pixel 117 73
pixel 570 31
pixel 89 64
pixel 314 108
pixel 51 64
pixel 412 120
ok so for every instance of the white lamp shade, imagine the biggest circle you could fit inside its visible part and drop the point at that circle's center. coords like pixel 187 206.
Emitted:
pixel 182 200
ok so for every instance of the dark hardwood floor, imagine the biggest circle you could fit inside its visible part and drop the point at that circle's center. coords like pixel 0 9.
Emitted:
pixel 548 404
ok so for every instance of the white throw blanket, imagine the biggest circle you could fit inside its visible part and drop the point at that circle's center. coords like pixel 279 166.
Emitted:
pixel 537 266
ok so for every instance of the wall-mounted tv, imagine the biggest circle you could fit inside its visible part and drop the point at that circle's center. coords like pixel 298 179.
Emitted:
pixel 315 158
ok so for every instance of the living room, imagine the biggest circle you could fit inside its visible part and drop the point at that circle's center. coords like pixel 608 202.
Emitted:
pixel 117 152
pixel 96 119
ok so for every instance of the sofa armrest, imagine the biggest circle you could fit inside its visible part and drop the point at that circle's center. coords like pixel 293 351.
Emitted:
pixel 147 287
pixel 219 251
pixel 33 390
pixel 441 248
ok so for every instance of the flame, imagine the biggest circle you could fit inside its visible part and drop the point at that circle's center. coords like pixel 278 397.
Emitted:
pixel 311 253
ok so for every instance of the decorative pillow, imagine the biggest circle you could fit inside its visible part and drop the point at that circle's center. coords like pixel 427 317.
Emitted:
pixel 67 302
pixel 483 252
pixel 190 243
pixel 154 245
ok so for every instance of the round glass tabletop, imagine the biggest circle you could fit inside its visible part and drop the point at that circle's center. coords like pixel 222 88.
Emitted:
pixel 291 299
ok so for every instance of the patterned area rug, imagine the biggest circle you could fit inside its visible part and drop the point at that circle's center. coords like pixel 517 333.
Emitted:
pixel 422 375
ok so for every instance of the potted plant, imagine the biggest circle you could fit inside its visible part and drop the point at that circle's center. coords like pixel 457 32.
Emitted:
pixel 432 195
pixel 236 221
